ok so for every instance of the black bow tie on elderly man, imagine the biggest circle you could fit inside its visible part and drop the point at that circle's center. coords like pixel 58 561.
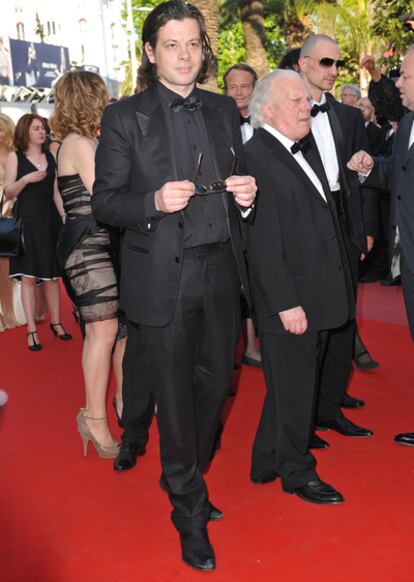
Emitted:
pixel 191 103
pixel 300 146
pixel 319 108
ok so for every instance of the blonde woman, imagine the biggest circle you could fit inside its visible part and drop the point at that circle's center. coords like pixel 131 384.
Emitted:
pixel 8 317
pixel 86 251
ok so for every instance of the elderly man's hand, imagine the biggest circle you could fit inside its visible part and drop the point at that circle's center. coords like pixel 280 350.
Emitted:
pixel 294 320
pixel 361 162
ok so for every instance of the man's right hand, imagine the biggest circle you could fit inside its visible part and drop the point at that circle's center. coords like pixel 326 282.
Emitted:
pixel 294 320
pixel 361 162
pixel 174 196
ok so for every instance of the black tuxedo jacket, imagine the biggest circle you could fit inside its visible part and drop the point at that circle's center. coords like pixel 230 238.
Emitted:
pixel 375 137
pixel 397 174
pixel 360 203
pixel 293 253
pixel 133 160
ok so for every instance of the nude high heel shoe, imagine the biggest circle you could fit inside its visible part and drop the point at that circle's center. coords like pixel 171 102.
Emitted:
pixel 109 452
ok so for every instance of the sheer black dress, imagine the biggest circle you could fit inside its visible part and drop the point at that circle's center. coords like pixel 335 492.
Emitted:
pixel 86 254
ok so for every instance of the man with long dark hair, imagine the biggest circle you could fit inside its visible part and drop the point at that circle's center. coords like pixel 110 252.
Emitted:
pixel 166 172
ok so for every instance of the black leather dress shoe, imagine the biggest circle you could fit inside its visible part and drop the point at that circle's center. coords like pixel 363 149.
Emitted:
pixel 263 479
pixel 389 282
pixel 349 401
pixel 315 442
pixel 316 492
pixel 248 361
pixel 364 361
pixel 405 438
pixel 127 456
pixel 197 551
pixel 215 513
pixel 346 427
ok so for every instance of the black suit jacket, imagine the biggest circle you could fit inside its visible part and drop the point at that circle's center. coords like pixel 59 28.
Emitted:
pixel 133 160
pixel 360 203
pixel 375 137
pixel 293 253
pixel 397 174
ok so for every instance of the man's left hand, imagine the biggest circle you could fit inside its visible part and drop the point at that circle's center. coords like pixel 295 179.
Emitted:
pixel 243 189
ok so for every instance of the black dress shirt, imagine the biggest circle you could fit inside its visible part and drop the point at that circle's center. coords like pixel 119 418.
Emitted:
pixel 205 220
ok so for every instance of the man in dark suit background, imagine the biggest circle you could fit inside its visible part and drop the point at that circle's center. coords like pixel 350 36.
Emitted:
pixel 397 173
pixel 339 132
pixel 162 174
pixel 374 132
pixel 300 279
pixel 375 266
pixel 239 81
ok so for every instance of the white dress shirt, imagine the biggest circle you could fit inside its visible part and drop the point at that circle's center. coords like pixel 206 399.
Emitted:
pixel 246 131
pixel 411 141
pixel 322 132
pixel 288 143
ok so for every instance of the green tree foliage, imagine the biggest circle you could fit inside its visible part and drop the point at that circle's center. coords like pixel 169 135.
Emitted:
pixel 138 17
pixel 231 43
pixel 350 23
pixel 231 48
pixel 389 26
pixel 360 27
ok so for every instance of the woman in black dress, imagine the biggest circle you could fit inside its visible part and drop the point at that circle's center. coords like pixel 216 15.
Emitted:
pixel 30 175
pixel 86 251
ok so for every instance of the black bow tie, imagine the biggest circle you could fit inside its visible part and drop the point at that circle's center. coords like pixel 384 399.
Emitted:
pixel 189 103
pixel 244 120
pixel 300 146
pixel 320 108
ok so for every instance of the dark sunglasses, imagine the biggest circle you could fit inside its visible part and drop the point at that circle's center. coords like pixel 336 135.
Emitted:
pixel 217 187
pixel 328 62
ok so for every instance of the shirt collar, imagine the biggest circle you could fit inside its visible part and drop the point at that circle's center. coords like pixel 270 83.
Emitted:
pixel 167 96
pixel 321 102
pixel 285 141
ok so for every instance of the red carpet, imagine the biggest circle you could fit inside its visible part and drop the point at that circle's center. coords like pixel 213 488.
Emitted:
pixel 69 519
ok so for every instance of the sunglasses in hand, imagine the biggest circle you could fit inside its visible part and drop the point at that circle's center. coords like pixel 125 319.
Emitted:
pixel 217 187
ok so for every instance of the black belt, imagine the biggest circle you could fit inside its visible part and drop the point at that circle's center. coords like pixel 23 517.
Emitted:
pixel 207 249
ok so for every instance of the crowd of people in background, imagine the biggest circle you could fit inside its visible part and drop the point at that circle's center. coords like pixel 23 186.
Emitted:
pixel 148 244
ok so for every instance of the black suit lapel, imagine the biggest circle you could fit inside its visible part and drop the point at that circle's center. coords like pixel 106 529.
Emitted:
pixel 337 132
pixel 405 138
pixel 222 154
pixel 153 126
pixel 314 159
pixel 221 151
pixel 282 155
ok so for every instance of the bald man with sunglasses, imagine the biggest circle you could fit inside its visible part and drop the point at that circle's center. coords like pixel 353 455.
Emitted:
pixel 338 131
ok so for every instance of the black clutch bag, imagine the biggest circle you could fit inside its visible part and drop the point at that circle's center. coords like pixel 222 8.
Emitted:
pixel 11 234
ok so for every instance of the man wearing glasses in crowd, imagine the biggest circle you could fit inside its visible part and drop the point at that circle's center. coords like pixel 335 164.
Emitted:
pixel 164 170
pixel 339 132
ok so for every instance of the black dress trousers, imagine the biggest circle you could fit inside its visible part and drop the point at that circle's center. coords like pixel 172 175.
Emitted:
pixel 281 445
pixel 338 345
pixel 189 365
pixel 407 279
